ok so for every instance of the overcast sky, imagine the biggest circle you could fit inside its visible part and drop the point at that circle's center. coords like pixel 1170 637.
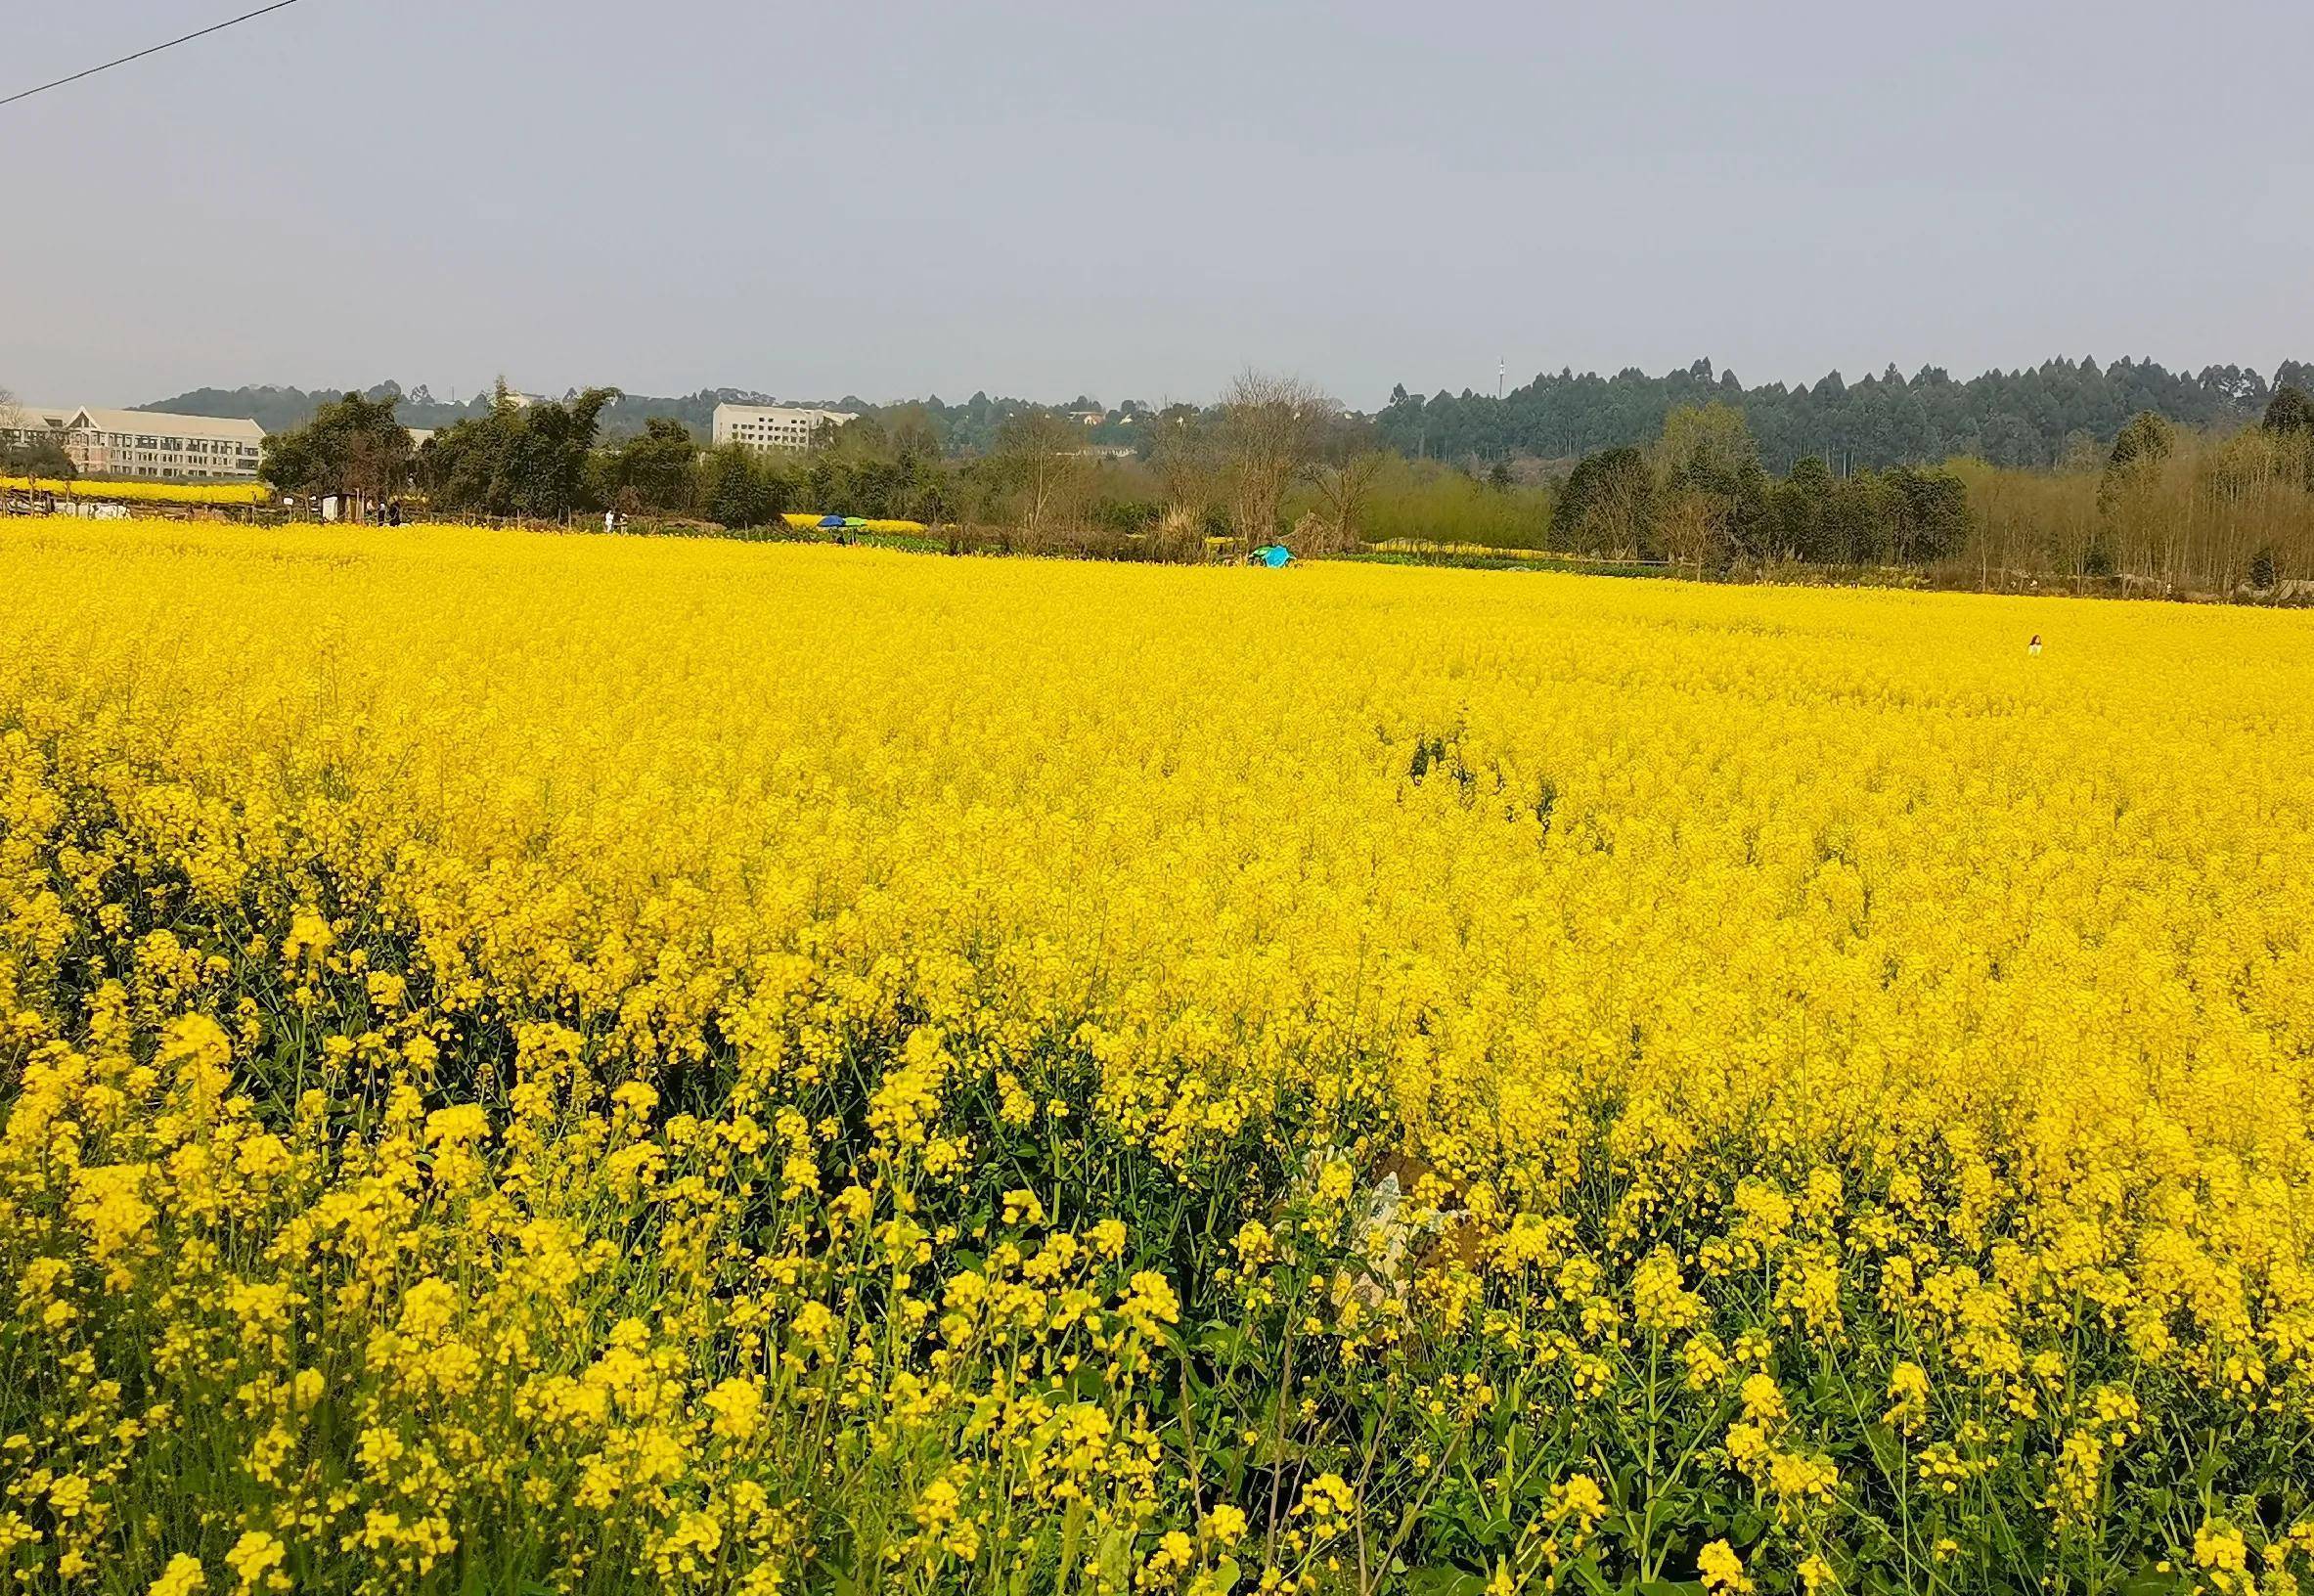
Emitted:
pixel 895 200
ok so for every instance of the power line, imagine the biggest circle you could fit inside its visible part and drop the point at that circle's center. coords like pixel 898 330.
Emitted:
pixel 149 49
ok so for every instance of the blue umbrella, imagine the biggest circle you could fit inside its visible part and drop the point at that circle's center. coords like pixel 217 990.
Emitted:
pixel 831 522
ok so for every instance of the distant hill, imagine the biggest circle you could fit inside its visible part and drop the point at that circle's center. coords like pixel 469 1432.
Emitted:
pixel 2039 416
pixel 2036 415
pixel 969 428
pixel 276 410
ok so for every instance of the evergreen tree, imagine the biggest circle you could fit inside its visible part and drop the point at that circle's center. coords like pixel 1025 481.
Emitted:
pixel 1802 523
pixel 658 470
pixel 1607 505
pixel 355 445
pixel 2289 411
pixel 741 491
pixel 518 459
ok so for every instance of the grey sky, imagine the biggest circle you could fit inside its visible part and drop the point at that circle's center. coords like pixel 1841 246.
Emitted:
pixel 893 200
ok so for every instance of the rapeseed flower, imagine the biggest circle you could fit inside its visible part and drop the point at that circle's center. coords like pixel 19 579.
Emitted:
pixel 615 1065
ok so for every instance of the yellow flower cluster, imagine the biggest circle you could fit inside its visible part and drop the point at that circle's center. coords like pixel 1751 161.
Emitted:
pixel 803 520
pixel 589 1064
pixel 135 492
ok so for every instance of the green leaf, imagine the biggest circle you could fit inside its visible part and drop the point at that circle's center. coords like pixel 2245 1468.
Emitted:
pixel 1444 1582
pixel 1114 1556
pixel 2148 1581
pixel 1221 1340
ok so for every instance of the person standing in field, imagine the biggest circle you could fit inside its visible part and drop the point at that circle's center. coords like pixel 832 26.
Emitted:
pixel 2034 647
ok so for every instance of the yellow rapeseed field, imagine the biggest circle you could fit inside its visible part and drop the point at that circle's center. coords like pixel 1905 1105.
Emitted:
pixel 570 1064
pixel 219 494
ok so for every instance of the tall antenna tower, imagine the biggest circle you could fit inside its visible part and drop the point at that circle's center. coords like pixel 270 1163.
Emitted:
pixel 1498 372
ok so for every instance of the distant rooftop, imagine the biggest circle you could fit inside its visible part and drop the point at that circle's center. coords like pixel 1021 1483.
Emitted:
pixel 160 420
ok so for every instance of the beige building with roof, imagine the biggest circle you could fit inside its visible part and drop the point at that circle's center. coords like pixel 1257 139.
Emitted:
pixel 28 427
pixel 150 443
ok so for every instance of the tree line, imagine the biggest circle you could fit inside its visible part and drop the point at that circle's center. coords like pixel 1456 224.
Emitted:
pixel 2223 508
pixel 2168 509
pixel 966 427
pixel 279 408
pixel 1230 471
pixel 1700 497
pixel 2056 412
pixel 2044 416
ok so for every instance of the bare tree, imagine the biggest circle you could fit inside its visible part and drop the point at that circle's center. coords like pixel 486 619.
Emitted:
pixel 375 469
pixel 1342 490
pixel 24 446
pixel 1042 459
pixel 1186 456
pixel 1622 509
pixel 1271 427
pixel 1690 522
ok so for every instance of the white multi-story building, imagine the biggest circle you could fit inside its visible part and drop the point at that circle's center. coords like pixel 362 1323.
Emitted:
pixel 774 426
pixel 152 443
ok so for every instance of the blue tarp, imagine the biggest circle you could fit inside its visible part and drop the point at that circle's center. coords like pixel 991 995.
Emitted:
pixel 1273 555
